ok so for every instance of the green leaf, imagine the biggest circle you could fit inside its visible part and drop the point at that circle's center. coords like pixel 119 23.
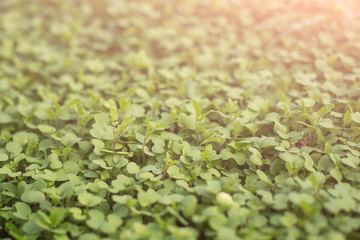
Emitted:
pixel 252 127
pixel 309 163
pixel 3 157
pixel 55 163
pixel 213 186
pixel 89 200
pixel 96 219
pixel 255 157
pixel 102 164
pixel 89 236
pixel 49 175
pixel 124 103
pixel 239 157
pixel 224 233
pixel 111 225
pixel 327 148
pixel 31 227
pixel 326 123
pixel 273 117
pixel 217 221
pixel 351 161
pixel 335 235
pixel 98 143
pixel 347 118
pixel 23 211
pixel 33 196
pixel 77 214
pixel 263 177
pixel 69 139
pixel 79 108
pixel 99 146
pixel 71 167
pixel 310 127
pixel 57 215
pixel 174 172
pixel 307 102
pixel 113 112
pixel 288 220
pixel 7 171
pixel 85 119
pixel 335 173
pixel 188 205
pixel 132 168
pixel 94 65
pixel 301 198
pixel 13 147
pixel 101 118
pixel 325 109
pixel 149 126
pixel 46 128
pixel 197 108
pixel 125 124
pixel 147 198
pixel 188 122
pixel 211 139
pixel 355 117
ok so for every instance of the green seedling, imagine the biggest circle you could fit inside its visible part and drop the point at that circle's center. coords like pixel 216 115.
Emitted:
pixel 118 128
pixel 168 162
pixel 150 129
pixel 199 118
pixel 317 121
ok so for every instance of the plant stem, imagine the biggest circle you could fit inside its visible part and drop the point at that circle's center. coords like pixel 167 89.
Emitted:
pixel 56 123
pixel 143 149
pixel 164 173
pixel 114 144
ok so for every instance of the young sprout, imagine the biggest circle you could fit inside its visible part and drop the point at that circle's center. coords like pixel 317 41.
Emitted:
pixel 118 128
pixel 169 162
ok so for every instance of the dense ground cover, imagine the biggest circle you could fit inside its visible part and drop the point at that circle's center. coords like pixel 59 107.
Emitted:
pixel 179 119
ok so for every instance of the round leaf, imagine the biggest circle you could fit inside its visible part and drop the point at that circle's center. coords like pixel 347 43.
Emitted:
pixel 13 147
pixel 33 196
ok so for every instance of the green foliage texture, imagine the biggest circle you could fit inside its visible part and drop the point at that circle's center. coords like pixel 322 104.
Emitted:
pixel 179 119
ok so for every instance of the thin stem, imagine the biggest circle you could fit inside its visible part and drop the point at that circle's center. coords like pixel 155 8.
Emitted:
pixel 197 131
pixel 56 123
pixel 80 131
pixel 312 141
pixel 114 144
pixel 143 149
pixel 164 173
